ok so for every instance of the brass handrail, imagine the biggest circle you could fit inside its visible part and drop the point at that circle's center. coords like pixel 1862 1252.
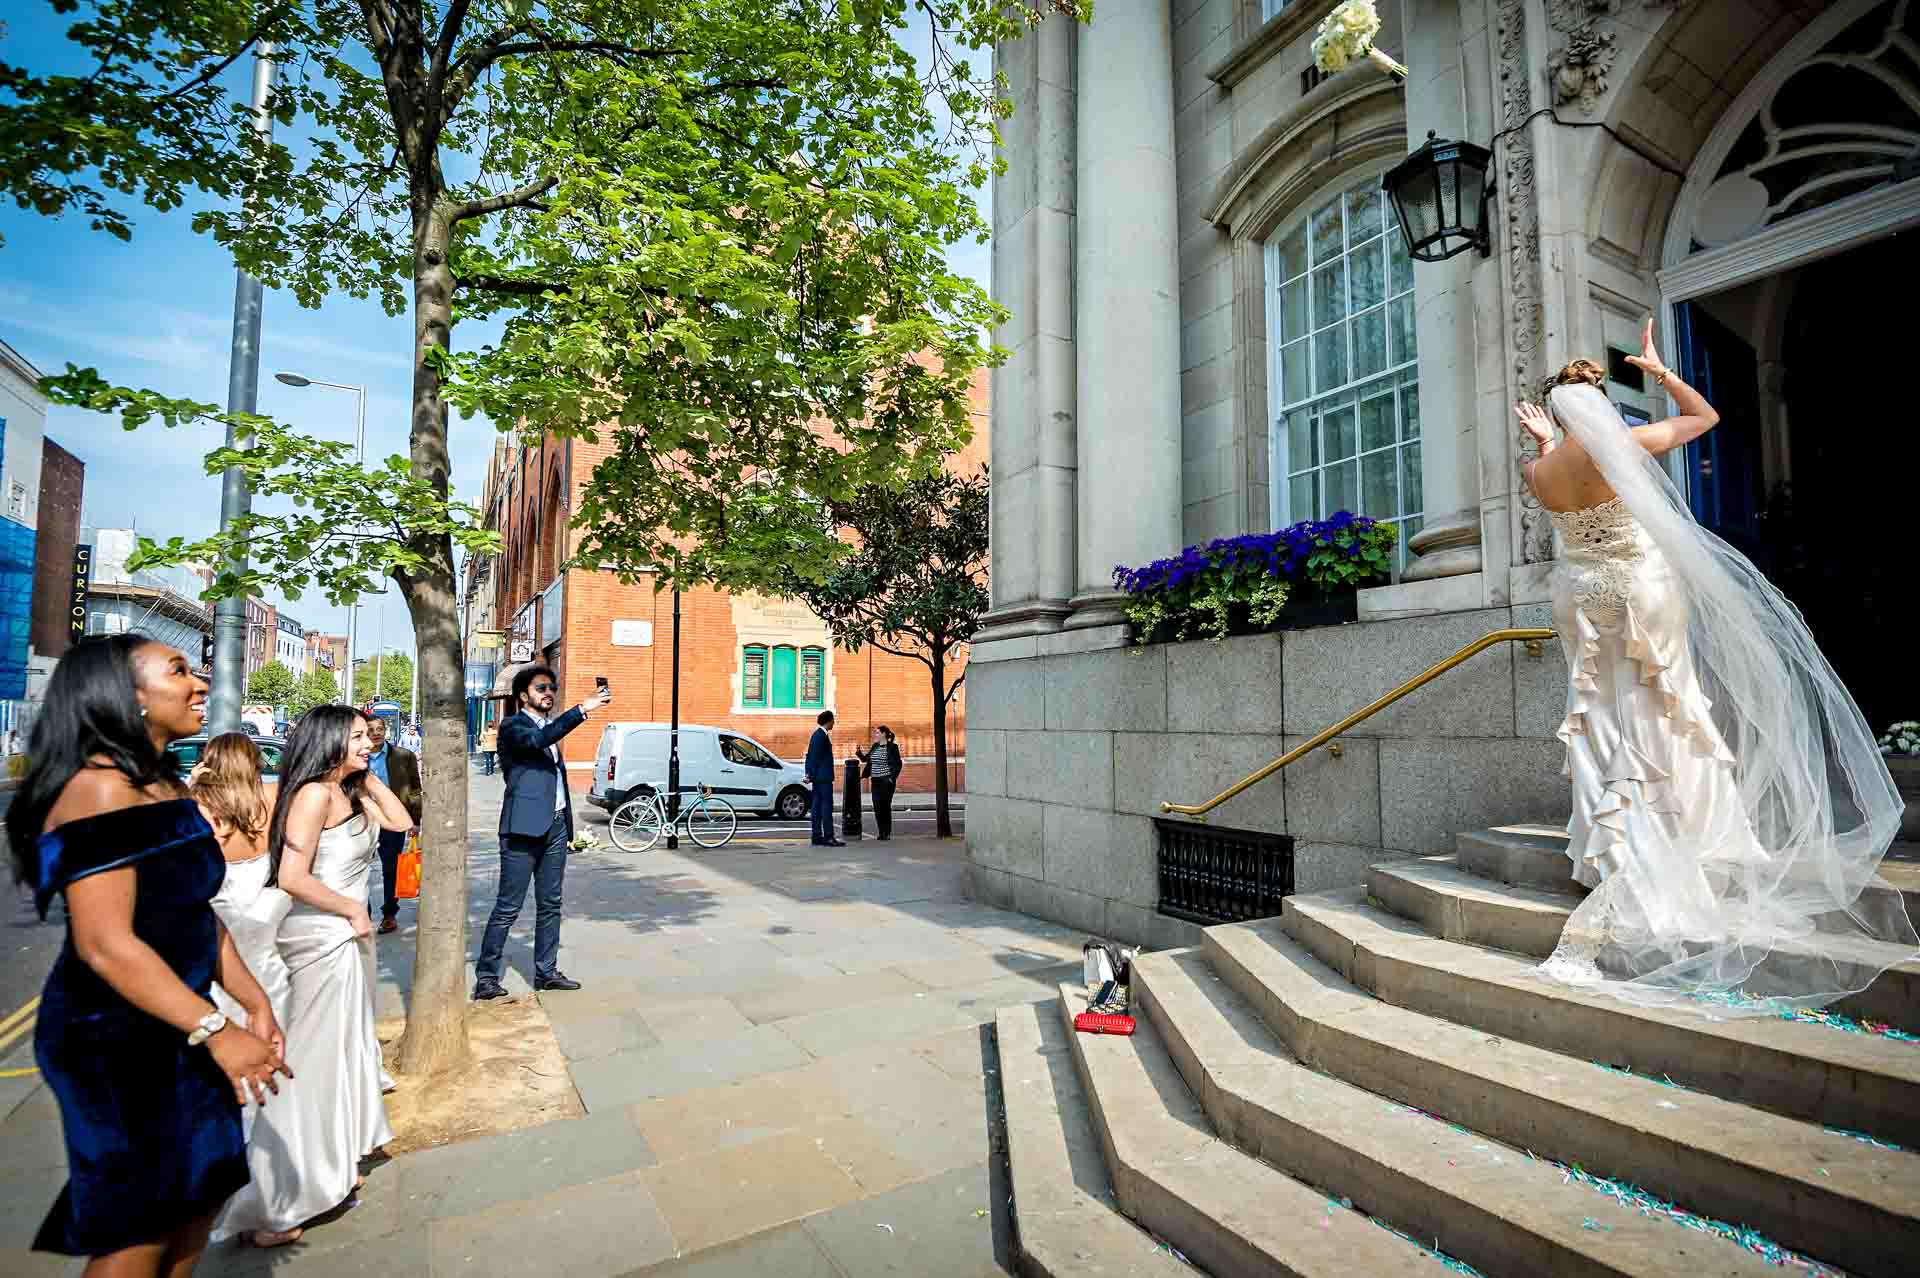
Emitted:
pixel 1531 636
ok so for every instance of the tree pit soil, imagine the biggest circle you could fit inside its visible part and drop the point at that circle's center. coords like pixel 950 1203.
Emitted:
pixel 514 1077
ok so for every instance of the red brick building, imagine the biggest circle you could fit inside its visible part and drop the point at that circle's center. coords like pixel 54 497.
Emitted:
pixel 762 667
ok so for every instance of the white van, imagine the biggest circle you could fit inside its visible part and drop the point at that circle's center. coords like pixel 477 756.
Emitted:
pixel 632 759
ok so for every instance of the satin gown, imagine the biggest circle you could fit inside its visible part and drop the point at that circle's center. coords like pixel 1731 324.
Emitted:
pixel 253 913
pixel 309 1140
pixel 152 1130
pixel 1658 826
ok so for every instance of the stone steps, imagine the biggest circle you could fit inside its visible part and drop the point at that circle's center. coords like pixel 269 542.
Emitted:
pixel 1806 1071
pixel 1231 1214
pixel 1808 1188
pixel 1455 905
pixel 1489 1204
pixel 1068 1223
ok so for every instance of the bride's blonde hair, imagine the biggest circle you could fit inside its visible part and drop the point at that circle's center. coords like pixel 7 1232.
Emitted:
pixel 1579 372
pixel 228 788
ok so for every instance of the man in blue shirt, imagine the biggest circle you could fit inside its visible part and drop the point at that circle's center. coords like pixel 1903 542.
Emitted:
pixel 820 778
pixel 399 771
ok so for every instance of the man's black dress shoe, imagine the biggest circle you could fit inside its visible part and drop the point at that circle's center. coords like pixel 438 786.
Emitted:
pixel 834 843
pixel 488 989
pixel 558 981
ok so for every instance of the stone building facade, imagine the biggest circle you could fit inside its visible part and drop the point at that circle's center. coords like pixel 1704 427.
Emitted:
pixel 1216 330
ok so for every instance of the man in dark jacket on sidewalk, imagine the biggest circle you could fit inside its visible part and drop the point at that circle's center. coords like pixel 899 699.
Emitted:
pixel 820 777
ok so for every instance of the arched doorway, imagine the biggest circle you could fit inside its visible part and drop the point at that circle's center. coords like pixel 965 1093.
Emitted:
pixel 1792 267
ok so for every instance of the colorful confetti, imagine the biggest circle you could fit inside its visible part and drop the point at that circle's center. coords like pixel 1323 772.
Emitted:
pixel 1865 1139
pixel 1813 1015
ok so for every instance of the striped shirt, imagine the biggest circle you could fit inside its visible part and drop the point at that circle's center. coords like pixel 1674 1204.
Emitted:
pixel 882 762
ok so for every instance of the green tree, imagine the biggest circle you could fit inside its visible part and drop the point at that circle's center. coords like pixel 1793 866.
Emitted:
pixel 396 678
pixel 714 227
pixel 271 685
pixel 316 688
pixel 915 585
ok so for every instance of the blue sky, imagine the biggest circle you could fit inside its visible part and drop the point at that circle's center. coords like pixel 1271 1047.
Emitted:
pixel 158 313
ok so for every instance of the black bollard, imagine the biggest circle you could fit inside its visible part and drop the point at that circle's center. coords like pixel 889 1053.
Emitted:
pixel 850 801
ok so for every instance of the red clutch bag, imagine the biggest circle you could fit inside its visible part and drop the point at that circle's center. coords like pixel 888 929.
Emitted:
pixel 1103 1023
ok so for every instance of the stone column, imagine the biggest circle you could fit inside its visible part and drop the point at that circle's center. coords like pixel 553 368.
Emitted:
pixel 1032 443
pixel 1127 322
pixel 1448 543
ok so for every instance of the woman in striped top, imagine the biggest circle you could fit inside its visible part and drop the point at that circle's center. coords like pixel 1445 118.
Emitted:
pixel 883 769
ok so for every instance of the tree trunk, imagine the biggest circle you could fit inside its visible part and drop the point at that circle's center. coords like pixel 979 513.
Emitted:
pixel 942 817
pixel 436 1035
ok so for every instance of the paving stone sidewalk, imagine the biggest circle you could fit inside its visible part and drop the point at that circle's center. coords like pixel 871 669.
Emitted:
pixel 784 1053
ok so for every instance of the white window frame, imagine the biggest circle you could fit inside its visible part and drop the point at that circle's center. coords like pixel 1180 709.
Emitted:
pixel 1270 9
pixel 1401 376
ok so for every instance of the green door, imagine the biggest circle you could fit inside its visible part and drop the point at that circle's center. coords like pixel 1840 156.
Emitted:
pixel 785 676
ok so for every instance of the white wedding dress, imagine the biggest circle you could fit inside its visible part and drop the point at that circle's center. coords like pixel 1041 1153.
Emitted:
pixel 305 1147
pixel 1730 808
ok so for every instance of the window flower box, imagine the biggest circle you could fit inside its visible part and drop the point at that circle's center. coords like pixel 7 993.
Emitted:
pixel 1305 575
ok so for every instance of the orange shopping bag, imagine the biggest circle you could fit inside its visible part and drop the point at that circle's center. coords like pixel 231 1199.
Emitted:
pixel 407 874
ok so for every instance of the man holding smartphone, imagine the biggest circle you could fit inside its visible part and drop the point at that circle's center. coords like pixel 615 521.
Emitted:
pixel 536 825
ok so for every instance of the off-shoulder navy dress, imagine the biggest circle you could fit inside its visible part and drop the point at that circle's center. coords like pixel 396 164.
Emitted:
pixel 152 1128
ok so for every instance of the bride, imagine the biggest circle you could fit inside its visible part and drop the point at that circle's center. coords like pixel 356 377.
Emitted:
pixel 1730 807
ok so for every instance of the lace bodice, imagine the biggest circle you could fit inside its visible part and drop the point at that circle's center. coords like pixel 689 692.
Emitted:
pixel 1606 531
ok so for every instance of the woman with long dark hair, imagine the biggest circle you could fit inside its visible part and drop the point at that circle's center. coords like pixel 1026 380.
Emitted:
pixel 320 850
pixel 149 1073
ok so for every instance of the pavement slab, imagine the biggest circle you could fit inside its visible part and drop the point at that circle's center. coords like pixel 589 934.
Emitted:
pixel 937 1228
pixel 787 1252
pixel 743 1189
pixel 583 1231
pixel 624 1077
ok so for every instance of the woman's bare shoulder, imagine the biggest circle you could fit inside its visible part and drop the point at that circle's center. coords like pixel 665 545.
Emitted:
pixel 93 791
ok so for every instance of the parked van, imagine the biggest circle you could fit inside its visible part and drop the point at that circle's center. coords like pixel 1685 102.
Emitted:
pixel 632 759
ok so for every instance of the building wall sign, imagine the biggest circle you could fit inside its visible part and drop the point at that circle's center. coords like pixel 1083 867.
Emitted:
pixel 520 638
pixel 81 588
pixel 633 634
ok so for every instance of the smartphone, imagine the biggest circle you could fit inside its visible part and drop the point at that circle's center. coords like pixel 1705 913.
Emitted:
pixel 600 681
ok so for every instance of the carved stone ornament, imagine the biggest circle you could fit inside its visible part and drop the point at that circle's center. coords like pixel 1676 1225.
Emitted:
pixel 1579 68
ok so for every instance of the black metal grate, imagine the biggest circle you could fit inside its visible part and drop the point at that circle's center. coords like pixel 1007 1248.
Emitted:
pixel 1211 875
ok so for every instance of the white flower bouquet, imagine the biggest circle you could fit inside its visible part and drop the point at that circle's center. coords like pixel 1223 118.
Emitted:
pixel 583 843
pixel 1901 738
pixel 1346 36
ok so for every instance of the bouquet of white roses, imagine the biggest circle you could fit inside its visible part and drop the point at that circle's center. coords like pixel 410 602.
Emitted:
pixel 1902 738
pixel 1346 35
pixel 583 843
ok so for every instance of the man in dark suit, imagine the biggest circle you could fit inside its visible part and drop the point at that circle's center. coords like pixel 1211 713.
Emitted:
pixel 820 778
pixel 536 825
pixel 400 769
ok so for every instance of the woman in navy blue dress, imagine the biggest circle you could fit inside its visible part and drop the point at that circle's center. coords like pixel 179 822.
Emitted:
pixel 149 1075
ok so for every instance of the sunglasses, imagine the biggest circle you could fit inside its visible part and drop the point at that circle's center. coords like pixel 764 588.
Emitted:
pixel 540 687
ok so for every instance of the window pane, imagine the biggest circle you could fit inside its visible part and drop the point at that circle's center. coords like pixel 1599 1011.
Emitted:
pixel 1329 294
pixel 1411 495
pixel 1330 358
pixel 1294 385
pixel 1401 276
pixel 1408 527
pixel 1302 447
pixel 1376 419
pixel 1339 426
pixel 1293 309
pixel 1326 232
pixel 1293 253
pixel 783 678
pixel 1370 343
pixel 1368 266
pixel 1300 498
pixel 813 677
pixel 1401 311
pixel 1377 485
pixel 1340 487
pixel 1363 211
pixel 1410 411
pixel 753 678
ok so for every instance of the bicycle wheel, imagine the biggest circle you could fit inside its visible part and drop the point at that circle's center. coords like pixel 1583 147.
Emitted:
pixel 711 822
pixel 636 825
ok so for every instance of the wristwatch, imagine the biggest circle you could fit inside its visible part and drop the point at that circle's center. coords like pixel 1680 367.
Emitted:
pixel 210 1024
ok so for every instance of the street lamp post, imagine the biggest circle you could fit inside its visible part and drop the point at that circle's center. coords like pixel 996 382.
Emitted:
pixel 360 459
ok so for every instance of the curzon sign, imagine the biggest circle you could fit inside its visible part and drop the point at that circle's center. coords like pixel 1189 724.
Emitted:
pixel 81 590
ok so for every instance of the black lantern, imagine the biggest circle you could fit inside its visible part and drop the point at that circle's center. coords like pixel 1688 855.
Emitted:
pixel 1440 195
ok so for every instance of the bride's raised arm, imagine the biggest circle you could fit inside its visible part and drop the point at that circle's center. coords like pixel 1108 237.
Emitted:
pixel 1696 416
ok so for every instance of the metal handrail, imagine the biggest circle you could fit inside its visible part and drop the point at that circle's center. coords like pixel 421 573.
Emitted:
pixel 1531 636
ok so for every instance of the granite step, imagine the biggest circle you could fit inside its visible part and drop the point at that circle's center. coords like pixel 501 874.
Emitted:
pixel 1487 1203
pixel 1821 1192
pixel 1535 856
pixel 1803 1070
pixel 1066 1220
pixel 1456 905
pixel 1228 1212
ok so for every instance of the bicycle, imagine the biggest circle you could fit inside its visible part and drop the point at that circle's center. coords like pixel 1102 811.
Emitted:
pixel 637 824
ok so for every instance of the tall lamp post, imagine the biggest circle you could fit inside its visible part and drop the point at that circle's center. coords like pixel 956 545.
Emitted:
pixel 360 459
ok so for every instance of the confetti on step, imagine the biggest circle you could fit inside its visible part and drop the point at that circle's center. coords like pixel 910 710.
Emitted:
pixel 1596 1226
pixel 1813 1015
pixel 1865 1139
pixel 1632 1196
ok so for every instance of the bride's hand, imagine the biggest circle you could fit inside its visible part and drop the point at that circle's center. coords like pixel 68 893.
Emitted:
pixel 1648 360
pixel 1534 420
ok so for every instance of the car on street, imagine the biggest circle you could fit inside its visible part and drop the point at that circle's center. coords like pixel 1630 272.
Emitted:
pixel 632 760
pixel 187 751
